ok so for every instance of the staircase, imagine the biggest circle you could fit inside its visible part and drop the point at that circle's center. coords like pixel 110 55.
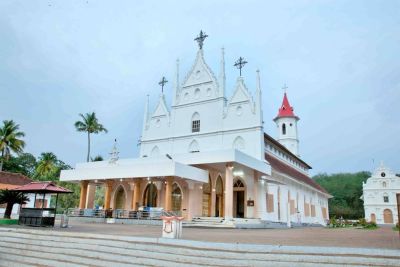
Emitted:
pixel 209 222
pixel 33 247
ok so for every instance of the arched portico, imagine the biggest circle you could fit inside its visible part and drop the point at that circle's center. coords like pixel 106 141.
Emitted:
pixel 119 198
pixel 176 198
pixel 219 197
pixel 206 199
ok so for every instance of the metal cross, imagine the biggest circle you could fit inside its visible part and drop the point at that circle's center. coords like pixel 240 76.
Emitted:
pixel 162 83
pixel 284 88
pixel 200 39
pixel 240 64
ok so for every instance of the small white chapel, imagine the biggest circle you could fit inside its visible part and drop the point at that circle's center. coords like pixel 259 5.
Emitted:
pixel 207 155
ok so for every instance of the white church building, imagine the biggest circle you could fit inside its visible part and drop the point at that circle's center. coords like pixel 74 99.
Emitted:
pixel 207 155
pixel 379 195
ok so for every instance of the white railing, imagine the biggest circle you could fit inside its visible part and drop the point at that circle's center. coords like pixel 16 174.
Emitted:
pixel 150 214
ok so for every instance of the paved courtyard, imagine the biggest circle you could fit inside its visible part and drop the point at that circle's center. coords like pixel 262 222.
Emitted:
pixel 384 237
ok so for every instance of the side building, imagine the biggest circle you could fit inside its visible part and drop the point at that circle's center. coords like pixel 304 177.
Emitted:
pixel 379 195
pixel 207 155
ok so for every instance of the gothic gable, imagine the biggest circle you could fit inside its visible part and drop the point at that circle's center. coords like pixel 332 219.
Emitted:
pixel 241 93
pixel 161 109
pixel 200 72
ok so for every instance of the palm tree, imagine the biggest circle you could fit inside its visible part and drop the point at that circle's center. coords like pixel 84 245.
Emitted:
pixel 11 198
pixel 89 124
pixel 47 165
pixel 10 140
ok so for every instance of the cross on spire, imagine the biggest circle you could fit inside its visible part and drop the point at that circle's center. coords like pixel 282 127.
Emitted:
pixel 240 64
pixel 162 83
pixel 284 88
pixel 200 39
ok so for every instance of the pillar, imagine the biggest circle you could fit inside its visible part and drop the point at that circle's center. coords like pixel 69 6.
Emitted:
pixel 228 194
pixel 90 196
pixel 82 200
pixel 107 196
pixel 168 194
pixel 136 195
pixel 213 201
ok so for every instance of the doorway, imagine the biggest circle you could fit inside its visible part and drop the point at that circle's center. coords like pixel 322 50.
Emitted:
pixel 238 199
pixel 387 216
pixel 150 196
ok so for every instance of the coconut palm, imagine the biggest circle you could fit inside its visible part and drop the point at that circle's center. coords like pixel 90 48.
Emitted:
pixel 47 165
pixel 11 198
pixel 89 124
pixel 10 140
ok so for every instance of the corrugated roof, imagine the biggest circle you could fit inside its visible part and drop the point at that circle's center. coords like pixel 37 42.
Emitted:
pixel 10 179
pixel 42 187
pixel 290 171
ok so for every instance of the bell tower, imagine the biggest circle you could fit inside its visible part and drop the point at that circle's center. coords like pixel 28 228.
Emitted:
pixel 286 122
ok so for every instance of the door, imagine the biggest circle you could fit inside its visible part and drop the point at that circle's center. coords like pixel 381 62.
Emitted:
pixel 387 216
pixel 373 217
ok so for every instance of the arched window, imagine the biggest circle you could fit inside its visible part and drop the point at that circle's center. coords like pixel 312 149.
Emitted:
pixel 195 122
pixel 283 129
pixel 155 151
pixel 238 184
pixel 383 184
pixel 238 143
pixel 194 147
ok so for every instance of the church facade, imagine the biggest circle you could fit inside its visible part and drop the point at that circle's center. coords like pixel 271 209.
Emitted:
pixel 379 195
pixel 207 155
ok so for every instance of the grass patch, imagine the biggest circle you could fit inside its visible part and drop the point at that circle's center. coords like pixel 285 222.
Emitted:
pixel 8 221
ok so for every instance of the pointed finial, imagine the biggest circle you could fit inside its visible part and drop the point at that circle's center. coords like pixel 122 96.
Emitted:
pixel 258 80
pixel 200 39
pixel 162 83
pixel 240 64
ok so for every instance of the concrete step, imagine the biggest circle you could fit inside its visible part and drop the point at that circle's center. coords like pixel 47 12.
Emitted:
pixel 80 249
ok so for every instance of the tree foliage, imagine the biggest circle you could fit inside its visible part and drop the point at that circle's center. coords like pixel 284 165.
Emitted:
pixel 89 124
pixel 25 163
pixel 10 140
pixel 11 198
pixel 346 189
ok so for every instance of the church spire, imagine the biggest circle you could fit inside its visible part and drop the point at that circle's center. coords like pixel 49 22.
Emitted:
pixel 176 84
pixel 222 77
pixel 258 96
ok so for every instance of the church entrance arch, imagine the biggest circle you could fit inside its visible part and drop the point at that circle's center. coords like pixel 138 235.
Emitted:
pixel 150 195
pixel 238 199
pixel 373 217
pixel 387 216
pixel 219 198
pixel 176 198
pixel 120 198
pixel 206 201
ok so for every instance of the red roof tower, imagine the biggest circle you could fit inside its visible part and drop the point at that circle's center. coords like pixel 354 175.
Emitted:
pixel 286 110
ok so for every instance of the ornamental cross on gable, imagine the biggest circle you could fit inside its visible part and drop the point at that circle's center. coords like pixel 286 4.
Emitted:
pixel 162 83
pixel 200 39
pixel 240 64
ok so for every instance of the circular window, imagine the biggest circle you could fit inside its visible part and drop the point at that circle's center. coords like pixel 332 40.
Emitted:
pixel 383 174
pixel 239 110
pixel 291 124
pixel 197 93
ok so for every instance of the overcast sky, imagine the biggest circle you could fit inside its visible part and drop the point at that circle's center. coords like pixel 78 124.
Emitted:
pixel 340 60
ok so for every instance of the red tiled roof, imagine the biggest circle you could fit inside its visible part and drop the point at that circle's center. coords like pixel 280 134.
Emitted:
pixel 295 174
pixel 283 148
pixel 286 110
pixel 42 187
pixel 13 179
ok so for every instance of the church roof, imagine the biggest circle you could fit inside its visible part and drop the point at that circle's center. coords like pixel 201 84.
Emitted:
pixel 283 148
pixel 280 166
pixel 286 110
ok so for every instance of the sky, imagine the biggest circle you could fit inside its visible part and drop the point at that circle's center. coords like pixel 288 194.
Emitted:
pixel 339 59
